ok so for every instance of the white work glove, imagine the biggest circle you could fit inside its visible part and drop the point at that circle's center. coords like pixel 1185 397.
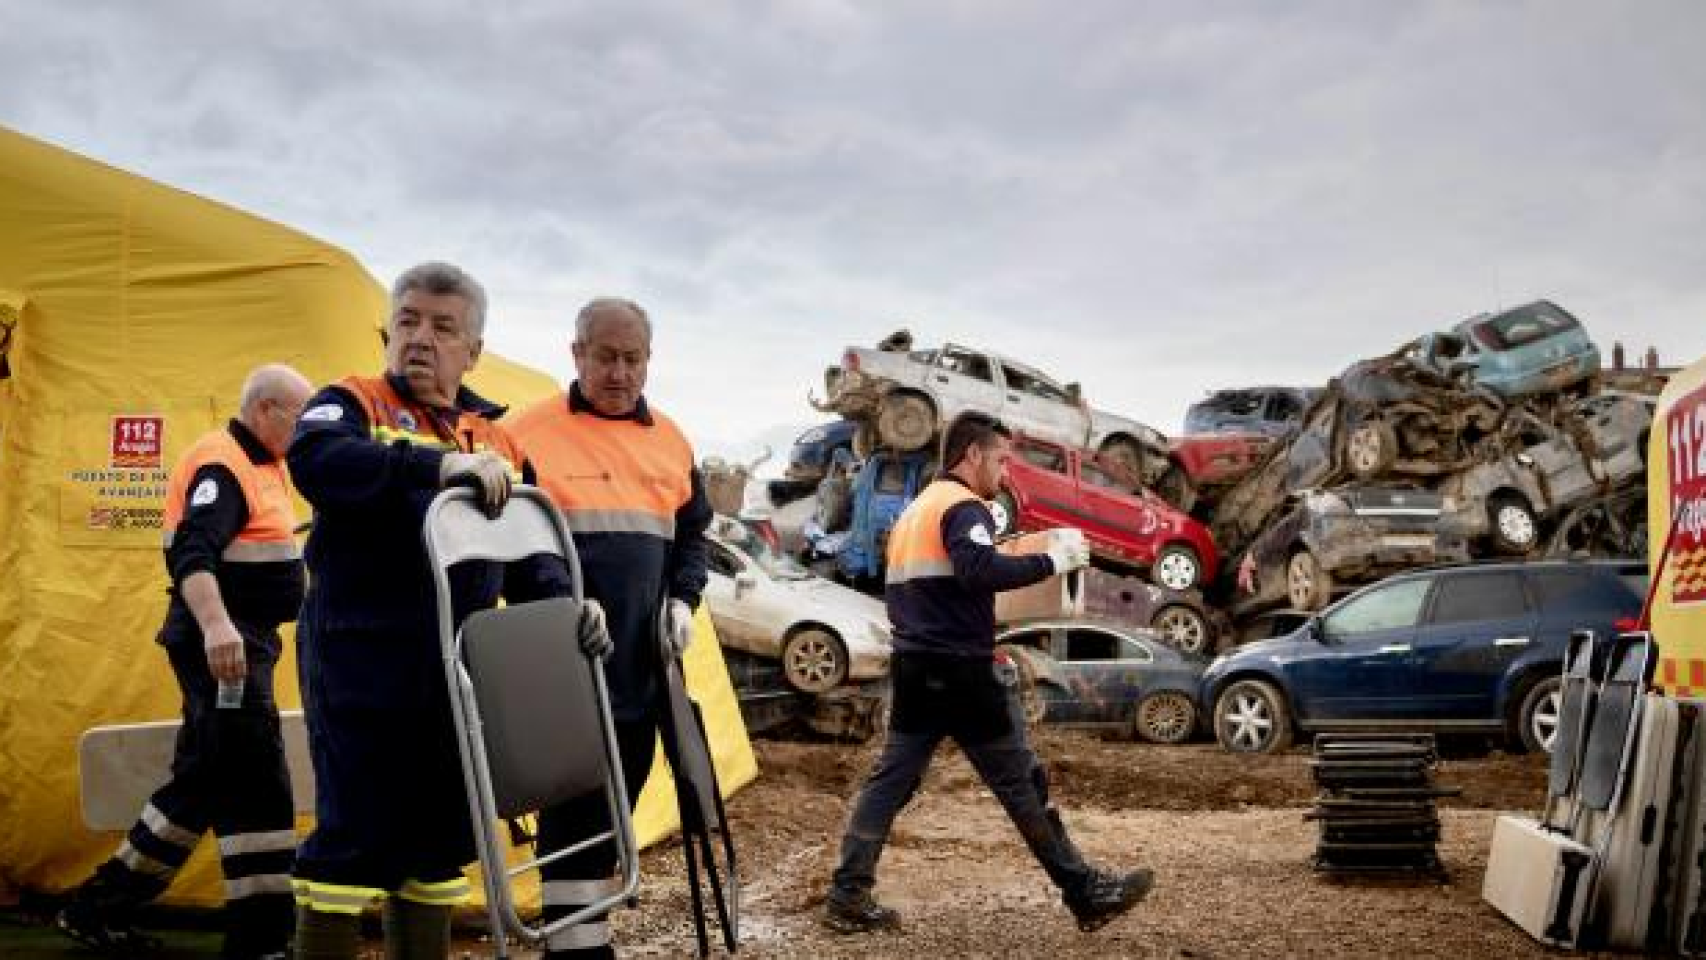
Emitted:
pixel 677 619
pixel 1067 549
pixel 486 470
pixel 593 632
pixel 224 647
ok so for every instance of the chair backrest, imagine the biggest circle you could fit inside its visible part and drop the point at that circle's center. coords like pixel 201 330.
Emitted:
pixel 1611 737
pixel 457 530
pixel 1576 699
pixel 542 734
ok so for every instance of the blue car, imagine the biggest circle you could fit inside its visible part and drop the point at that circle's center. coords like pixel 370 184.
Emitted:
pixel 1470 649
pixel 885 484
pixel 1535 348
pixel 816 449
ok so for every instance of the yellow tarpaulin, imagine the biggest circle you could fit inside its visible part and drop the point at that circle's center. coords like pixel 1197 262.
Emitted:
pixel 129 314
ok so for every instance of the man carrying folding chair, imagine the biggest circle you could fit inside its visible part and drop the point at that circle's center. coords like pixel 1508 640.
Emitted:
pixel 370 453
pixel 624 477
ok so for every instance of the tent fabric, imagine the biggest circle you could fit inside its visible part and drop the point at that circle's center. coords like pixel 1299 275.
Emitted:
pixel 130 312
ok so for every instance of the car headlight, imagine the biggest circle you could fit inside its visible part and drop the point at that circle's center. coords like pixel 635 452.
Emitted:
pixel 878 632
pixel 1448 504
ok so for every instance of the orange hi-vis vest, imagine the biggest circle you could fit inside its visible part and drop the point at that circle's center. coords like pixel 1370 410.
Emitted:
pixel 269 536
pixel 391 418
pixel 608 476
pixel 915 546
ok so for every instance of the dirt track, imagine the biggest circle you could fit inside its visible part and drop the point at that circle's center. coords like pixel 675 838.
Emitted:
pixel 1225 835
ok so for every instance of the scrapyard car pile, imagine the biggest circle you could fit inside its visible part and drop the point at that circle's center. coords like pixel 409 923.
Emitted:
pixel 1490 440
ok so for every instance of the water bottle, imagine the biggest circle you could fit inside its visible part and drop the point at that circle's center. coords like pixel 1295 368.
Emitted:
pixel 230 694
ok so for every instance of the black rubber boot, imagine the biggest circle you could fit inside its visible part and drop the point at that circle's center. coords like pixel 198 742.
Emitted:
pixel 321 935
pixel 856 911
pixel 1107 895
pixel 416 931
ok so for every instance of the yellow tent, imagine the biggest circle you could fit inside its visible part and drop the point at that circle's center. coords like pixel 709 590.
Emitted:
pixel 129 313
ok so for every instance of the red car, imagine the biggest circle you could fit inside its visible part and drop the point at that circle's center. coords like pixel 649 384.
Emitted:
pixel 1051 485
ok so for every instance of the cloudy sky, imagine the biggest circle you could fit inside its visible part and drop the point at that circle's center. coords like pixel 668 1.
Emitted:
pixel 1156 199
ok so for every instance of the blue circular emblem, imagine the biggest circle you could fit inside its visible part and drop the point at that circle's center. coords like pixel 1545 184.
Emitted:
pixel 406 420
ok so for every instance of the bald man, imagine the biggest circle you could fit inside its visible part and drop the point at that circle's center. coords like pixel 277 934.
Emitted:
pixel 236 576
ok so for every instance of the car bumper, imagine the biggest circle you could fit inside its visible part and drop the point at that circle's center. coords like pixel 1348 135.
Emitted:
pixel 867 662
pixel 1382 551
pixel 1555 376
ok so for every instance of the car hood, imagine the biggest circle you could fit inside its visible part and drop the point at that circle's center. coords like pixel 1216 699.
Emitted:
pixel 833 597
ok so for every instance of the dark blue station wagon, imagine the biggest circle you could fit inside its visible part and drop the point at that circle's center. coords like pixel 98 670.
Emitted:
pixel 1469 649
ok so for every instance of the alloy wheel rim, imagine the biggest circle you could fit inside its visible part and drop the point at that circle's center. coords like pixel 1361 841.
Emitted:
pixel 1250 720
pixel 1544 723
pixel 1177 571
pixel 813 663
pixel 1166 717
pixel 1516 525
pixel 1183 630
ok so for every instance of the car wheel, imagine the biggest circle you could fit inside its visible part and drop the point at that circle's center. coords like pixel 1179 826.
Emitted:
pixel 1512 523
pixel 1005 512
pixel 1176 488
pixel 906 422
pixel 1251 717
pixel 1176 567
pixel 1537 718
pixel 1183 628
pixel 1308 586
pixel 814 661
pixel 1165 718
pixel 1127 456
pixel 1371 449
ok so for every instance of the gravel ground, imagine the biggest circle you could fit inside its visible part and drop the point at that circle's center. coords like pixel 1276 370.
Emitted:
pixel 1225 835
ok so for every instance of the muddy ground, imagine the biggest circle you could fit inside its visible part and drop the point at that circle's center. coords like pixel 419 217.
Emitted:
pixel 1225 834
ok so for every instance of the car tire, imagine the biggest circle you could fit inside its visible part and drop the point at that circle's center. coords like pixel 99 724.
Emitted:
pixel 1126 455
pixel 1183 629
pixel 1308 585
pixel 906 422
pixel 1537 717
pixel 1251 716
pixel 1004 510
pixel 1176 568
pixel 1166 717
pixel 814 660
pixel 1371 448
pixel 1176 488
pixel 1511 524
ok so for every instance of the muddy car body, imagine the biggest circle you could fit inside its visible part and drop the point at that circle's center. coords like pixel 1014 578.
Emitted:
pixel 1331 540
pixel 1101 674
pixel 904 397
pixel 1270 411
pixel 1182 620
pixel 1055 485
pixel 762 602
pixel 1209 464
pixel 1538 347
pixel 1511 501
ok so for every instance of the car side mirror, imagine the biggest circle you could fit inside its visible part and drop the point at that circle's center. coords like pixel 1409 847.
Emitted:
pixel 745 583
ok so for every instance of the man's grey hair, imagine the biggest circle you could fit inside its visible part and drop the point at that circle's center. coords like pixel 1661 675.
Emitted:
pixel 270 382
pixel 442 279
pixel 603 307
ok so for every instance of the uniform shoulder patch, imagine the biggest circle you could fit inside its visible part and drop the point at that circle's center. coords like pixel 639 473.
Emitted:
pixel 980 536
pixel 324 412
pixel 205 493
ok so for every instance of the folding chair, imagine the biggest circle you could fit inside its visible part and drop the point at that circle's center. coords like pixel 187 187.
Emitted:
pixel 532 713
pixel 699 798
pixel 1577 696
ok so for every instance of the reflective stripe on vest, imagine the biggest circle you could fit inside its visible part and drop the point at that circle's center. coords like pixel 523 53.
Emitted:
pixel 916 549
pixel 269 536
pixel 608 476
pixel 391 418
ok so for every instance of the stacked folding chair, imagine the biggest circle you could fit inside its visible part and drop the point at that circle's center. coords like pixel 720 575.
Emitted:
pixel 1589 871
pixel 1376 805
